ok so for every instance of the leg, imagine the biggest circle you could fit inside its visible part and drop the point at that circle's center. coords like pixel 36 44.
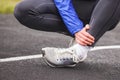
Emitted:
pixel 43 15
pixel 105 16
pixel 40 15
pixel 68 57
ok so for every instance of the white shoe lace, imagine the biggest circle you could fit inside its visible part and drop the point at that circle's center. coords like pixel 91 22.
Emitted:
pixel 66 54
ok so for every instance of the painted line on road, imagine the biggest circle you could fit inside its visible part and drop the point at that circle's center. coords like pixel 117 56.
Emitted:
pixel 105 47
pixel 11 59
pixel 21 58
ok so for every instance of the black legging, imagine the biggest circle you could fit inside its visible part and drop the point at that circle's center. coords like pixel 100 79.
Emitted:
pixel 102 15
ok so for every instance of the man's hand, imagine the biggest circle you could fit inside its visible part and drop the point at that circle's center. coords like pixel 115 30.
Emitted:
pixel 83 37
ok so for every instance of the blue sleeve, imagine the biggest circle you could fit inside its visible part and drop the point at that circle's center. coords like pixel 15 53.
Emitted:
pixel 69 15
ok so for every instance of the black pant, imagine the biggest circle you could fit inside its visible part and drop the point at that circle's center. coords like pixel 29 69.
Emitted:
pixel 102 15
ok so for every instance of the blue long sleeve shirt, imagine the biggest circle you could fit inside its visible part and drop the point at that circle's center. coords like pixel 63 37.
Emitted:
pixel 69 15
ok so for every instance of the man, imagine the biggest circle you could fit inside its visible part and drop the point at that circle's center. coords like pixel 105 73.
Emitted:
pixel 85 20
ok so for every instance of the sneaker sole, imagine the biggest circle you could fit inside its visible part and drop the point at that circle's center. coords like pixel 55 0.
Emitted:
pixel 53 65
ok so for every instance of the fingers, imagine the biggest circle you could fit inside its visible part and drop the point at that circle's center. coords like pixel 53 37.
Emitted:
pixel 80 38
pixel 83 37
pixel 87 36
pixel 85 33
pixel 80 42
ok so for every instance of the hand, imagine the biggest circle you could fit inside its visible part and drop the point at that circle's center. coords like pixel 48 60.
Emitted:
pixel 83 37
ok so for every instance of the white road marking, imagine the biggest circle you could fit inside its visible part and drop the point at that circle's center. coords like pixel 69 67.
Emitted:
pixel 40 55
pixel 105 47
pixel 21 58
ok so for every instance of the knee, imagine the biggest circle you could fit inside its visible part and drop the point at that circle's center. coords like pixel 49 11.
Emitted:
pixel 21 11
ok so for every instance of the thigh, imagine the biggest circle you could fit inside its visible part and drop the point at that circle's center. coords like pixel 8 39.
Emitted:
pixel 33 13
pixel 83 8
pixel 38 6
pixel 40 15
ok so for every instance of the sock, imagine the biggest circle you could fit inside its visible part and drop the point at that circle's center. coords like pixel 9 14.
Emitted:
pixel 81 51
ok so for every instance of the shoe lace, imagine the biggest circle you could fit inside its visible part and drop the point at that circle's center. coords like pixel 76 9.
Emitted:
pixel 66 54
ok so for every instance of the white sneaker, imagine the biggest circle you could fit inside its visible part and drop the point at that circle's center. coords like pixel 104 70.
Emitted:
pixel 65 57
pixel 60 57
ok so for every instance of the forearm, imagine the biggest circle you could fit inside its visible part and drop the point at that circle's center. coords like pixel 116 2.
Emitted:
pixel 69 15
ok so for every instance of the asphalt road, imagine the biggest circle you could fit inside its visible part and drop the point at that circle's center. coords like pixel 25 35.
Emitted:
pixel 17 40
